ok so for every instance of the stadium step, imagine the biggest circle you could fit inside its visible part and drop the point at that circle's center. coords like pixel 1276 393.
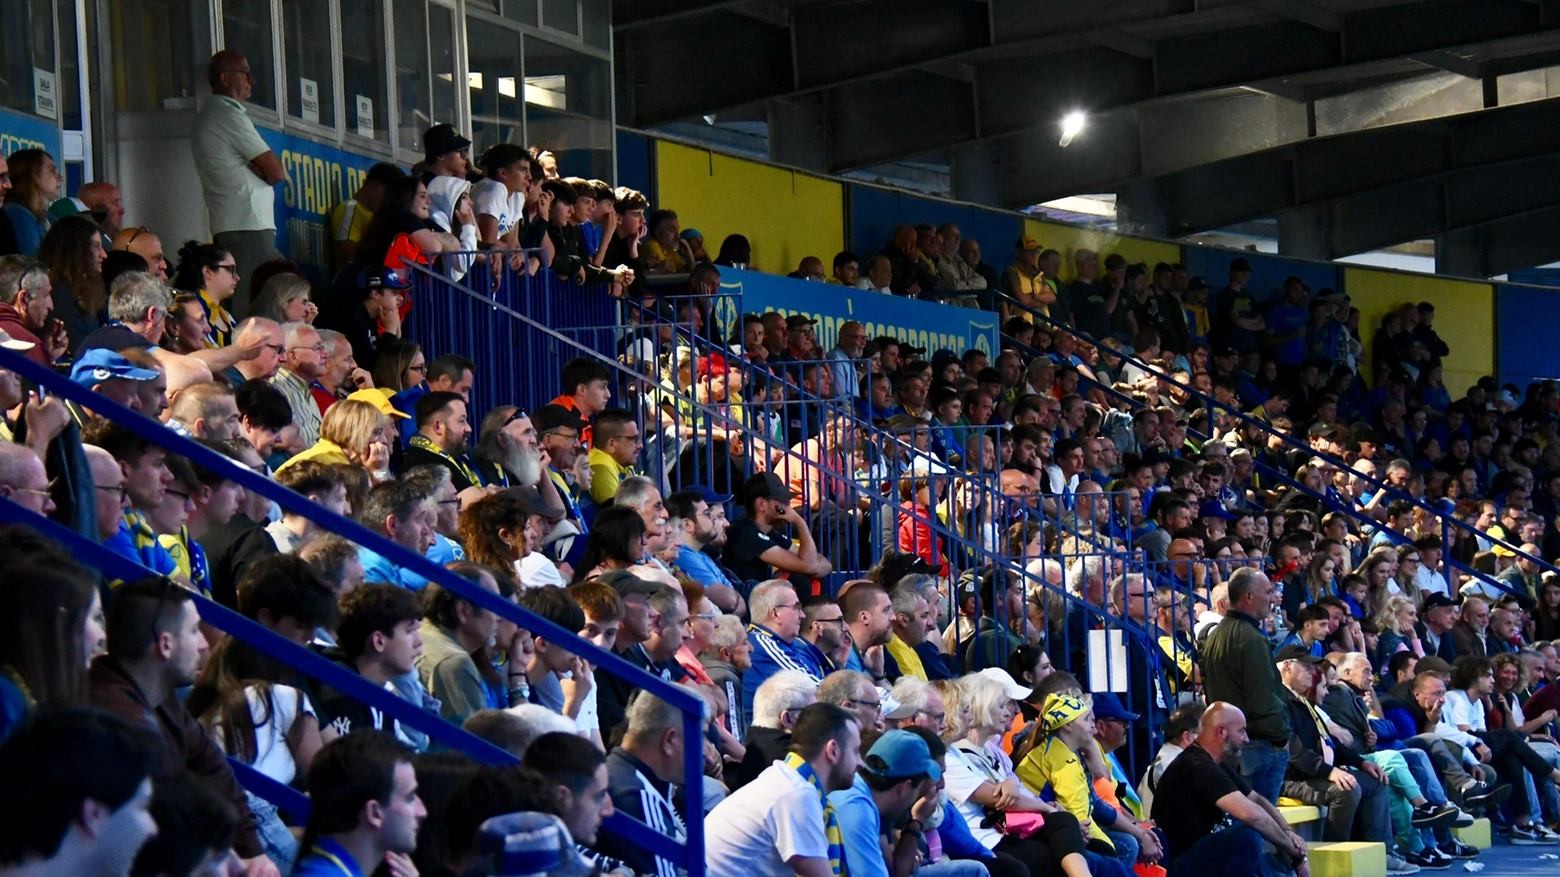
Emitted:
pixel 1476 835
pixel 1348 859
pixel 1305 819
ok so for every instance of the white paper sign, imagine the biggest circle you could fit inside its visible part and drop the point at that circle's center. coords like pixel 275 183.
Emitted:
pixel 365 120
pixel 1107 661
pixel 309 99
pixel 45 98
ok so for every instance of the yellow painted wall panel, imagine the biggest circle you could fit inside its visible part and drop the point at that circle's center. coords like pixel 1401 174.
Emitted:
pixel 1464 317
pixel 1066 239
pixel 785 214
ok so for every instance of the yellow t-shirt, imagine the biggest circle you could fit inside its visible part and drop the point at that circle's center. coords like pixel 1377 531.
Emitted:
pixel 349 220
pixel 1052 766
pixel 909 662
pixel 656 254
pixel 606 475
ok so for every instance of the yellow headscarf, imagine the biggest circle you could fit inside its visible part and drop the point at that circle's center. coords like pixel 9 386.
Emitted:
pixel 1061 709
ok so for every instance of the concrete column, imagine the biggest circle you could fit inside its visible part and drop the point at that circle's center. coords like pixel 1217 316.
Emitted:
pixel 798 132
pixel 1143 208
pixel 976 172
pixel 1461 253
pixel 1303 233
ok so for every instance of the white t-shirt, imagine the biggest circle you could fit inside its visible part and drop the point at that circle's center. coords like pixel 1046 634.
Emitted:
pixel 961 778
pixel 494 199
pixel 1461 710
pixel 1426 580
pixel 272 755
pixel 537 570
pixel 763 824
pixel 589 718
pixel 224 142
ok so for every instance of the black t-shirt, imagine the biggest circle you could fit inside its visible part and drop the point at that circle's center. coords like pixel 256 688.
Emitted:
pixel 744 544
pixel 1186 805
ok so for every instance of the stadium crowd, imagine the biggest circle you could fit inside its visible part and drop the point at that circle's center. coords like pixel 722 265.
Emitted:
pixel 1314 577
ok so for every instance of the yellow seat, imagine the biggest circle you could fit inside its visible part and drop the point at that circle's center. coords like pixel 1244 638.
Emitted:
pixel 1284 801
pixel 1475 835
pixel 1297 813
pixel 1348 859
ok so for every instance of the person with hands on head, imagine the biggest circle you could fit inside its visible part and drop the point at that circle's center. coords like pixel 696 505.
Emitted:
pixel 896 785
pixel 754 550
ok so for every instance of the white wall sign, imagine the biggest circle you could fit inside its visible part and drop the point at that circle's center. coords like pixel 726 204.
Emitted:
pixel 309 99
pixel 45 97
pixel 1107 657
pixel 365 116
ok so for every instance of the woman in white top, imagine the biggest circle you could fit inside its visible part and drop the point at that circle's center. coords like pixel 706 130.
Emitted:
pixel 1001 814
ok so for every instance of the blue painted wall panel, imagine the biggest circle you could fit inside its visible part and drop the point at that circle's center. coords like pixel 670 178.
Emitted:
pixel 1524 340
pixel 634 162
pixel 1267 272
pixel 874 213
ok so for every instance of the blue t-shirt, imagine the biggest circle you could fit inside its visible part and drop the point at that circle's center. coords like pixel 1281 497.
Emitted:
pixel 443 552
pixel 377 569
pixel 147 553
pixel 1283 319
pixel 860 825
pixel 700 567
pixel 327 859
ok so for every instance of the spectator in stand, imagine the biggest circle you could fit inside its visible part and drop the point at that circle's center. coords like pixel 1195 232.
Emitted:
pixel 35 184
pixel 380 640
pixel 615 446
pixel 577 771
pixel 728 655
pixel 365 808
pixel 74 253
pixel 321 485
pixel 587 388
pixel 80 786
pixel 237 169
pixel 910 275
pixel 1238 669
pixel 349 219
pixel 753 550
pixel 23 479
pixel 847 270
pixel 155 647
pixel 453 630
pixel 441 439
pixel 667 619
pixel 52 630
pixel 571 258
pixel 1024 283
pixel 367 311
pixel 851 345
pixel 666 252
pixel 26 301
pixel 912 620
pixel 285 298
pixel 629 207
pixel 301 366
pixel 144 478
pixel 141 242
pixel 341 375
pixel 1238 324
pixel 401 233
pixel 957 273
pixel 646 779
pixel 194 832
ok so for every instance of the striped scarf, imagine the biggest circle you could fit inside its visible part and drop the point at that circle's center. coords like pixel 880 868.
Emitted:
pixel 458 463
pixel 831 823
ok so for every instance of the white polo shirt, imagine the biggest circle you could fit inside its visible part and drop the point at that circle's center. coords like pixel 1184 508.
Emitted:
pixel 225 142
pixel 763 824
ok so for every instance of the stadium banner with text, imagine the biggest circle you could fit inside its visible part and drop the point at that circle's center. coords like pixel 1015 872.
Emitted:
pixel 318 178
pixel 923 324
pixel 26 131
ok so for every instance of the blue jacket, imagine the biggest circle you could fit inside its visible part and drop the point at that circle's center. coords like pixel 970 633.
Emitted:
pixel 771 654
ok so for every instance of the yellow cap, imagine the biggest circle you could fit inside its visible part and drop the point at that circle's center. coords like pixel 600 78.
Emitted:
pixel 379 399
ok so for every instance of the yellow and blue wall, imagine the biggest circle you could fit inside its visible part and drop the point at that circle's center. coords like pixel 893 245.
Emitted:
pixel 787 214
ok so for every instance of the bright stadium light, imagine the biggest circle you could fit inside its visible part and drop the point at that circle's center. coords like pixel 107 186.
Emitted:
pixel 1072 124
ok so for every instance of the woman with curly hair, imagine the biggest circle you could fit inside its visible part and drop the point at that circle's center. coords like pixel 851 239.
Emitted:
pixel 73 252
pixel 492 529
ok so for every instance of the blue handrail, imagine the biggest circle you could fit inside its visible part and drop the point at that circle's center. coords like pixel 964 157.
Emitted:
pixel 691 705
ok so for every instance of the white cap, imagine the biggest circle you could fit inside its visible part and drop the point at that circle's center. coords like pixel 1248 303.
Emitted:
pixel 10 343
pixel 892 709
pixel 1009 684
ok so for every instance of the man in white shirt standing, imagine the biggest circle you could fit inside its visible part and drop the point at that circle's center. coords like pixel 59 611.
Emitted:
pixel 237 171
pixel 780 824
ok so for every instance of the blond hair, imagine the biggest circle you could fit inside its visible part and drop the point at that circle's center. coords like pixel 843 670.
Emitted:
pixel 351 424
pixel 987 697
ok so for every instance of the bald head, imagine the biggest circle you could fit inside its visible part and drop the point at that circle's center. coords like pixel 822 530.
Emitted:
pixel 1223 729
pixel 105 198
pixel 183 372
pixel 1182 547
pixel 23 479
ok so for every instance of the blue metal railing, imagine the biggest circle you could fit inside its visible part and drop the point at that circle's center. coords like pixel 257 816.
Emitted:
pixel 689 854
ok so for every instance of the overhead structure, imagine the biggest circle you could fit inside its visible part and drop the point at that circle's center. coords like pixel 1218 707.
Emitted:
pixel 1357 123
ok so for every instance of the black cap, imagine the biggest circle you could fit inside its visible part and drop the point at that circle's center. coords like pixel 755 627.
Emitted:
pixel 1195 284
pixel 1239 263
pixel 1296 653
pixel 1226 351
pixel 442 140
pixel 908 350
pixel 766 485
pixel 627 584
pixel 531 500
pixel 796 321
pixel 550 417
pixel 1436 599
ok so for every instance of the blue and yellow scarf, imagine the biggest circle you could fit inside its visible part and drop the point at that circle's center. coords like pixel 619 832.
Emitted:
pixel 831 823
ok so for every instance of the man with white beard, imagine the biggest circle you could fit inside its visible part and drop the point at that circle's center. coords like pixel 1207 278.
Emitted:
pixel 509 454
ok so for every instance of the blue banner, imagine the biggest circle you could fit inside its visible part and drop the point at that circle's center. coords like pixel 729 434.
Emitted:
pixel 923 324
pixel 26 131
pixel 318 178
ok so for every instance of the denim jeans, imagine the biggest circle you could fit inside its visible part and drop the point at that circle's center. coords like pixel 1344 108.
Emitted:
pixel 1237 851
pixel 280 844
pixel 1126 846
pixel 1263 765
pixel 953 868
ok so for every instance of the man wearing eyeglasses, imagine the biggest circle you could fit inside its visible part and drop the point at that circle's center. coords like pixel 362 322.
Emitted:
pixel 23 479
pixel 237 170
pixel 303 362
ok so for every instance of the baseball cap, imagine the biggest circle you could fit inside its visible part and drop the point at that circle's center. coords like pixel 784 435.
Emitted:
pixel 382 277
pixel 1503 551
pixel 1296 653
pixel 10 343
pixel 1226 351
pixel 530 845
pixel 627 584
pixel 796 321
pixel 378 399
pixel 709 496
pixel 531 500
pixel 1240 264
pixel 766 485
pixel 901 565
pixel 908 350
pixel 1436 600
pixel 1026 243
pixel 1196 283
pixel 901 754
pixel 1214 509
pixel 1010 685
pixel 890 708
pixel 1433 664
pixel 1108 706
pixel 100 364
pixel 550 417
pixel 442 140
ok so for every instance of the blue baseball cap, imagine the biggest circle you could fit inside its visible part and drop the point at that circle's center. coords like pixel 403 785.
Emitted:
pixel 100 364
pixel 901 754
pixel 530 845
pixel 1108 706
pixel 1214 509
pixel 710 497
pixel 381 277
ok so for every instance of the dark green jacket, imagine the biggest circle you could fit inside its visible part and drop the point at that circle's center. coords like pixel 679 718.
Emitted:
pixel 1238 668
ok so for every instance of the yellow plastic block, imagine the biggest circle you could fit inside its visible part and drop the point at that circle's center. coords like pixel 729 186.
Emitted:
pixel 1475 835
pixel 1290 802
pixel 1297 813
pixel 1348 859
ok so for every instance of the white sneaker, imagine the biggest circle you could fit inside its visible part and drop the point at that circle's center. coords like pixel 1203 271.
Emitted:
pixel 1546 834
pixel 1396 864
pixel 1464 818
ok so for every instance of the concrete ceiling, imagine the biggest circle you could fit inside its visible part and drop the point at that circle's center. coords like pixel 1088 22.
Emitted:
pixel 1358 123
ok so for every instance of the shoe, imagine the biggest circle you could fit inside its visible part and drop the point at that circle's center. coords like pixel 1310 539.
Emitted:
pixel 1464 819
pixel 1459 850
pixel 1528 836
pixel 1428 815
pixel 1427 860
pixel 1483 795
pixel 1545 834
pixel 1398 865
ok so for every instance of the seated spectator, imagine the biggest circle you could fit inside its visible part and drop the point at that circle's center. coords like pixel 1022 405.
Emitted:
pixel 616 542
pixel 52 629
pixel 646 781
pixel 206 410
pixel 23 479
pixel 614 450
pixel 365 808
pixel 366 311
pixel 725 657
pixel 263 366
pixel 606 612
pixel 155 647
pixel 80 784
pixel 335 558
pixel 320 484
pixel 241 539
pixel 753 548
pixel 557 678
pixel 357 431
pixel 25 304
pixel 577 772
pixel 111 376
pixel 195 829
pixel 452 630
pixel 434 482
pixel 442 430
pixel 301 366
pixel 266 421
pixel 379 639
pixel 516 728
pixel 666 622
pixel 143 479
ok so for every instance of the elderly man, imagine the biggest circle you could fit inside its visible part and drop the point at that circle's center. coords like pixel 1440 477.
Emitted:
pixel 912 619
pixel 142 242
pixel 272 346
pixel 851 345
pixel 104 198
pixel 1470 631
pixel 1237 665
pixel 776 636
pixel 137 309
pixel 853 691
pixel 26 300
pixel 302 364
pixel 776 705
pixel 23 479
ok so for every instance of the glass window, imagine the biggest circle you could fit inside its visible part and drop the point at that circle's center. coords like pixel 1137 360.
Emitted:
pixel 311 84
pixel 27 45
pixel 152 38
pixel 363 68
pixel 70 70
pixel 494 54
pixel 598 23
pixel 246 27
pixel 561 15
pixel 441 60
pixel 414 111
pixel 523 11
pixel 568 108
